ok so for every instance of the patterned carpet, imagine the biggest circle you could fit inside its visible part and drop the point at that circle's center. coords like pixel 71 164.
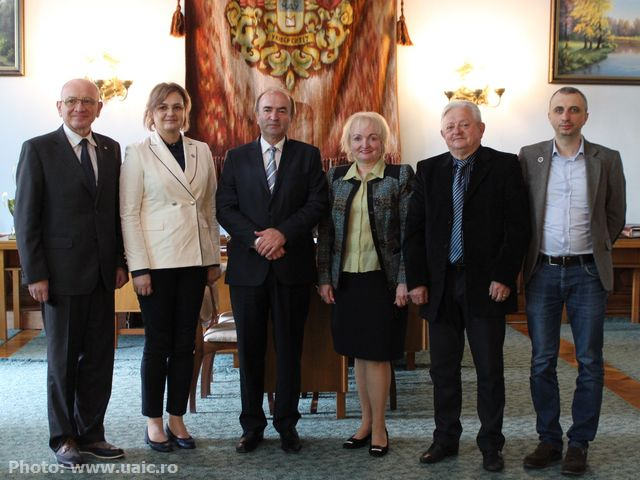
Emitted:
pixel 23 423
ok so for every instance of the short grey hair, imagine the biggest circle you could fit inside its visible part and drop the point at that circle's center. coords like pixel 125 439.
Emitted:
pixel 472 107
pixel 282 91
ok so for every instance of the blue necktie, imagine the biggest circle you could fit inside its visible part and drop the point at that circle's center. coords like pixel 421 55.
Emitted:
pixel 85 161
pixel 459 187
pixel 271 168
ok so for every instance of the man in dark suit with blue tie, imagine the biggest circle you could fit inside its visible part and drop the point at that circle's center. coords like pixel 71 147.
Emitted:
pixel 71 254
pixel 271 195
pixel 467 231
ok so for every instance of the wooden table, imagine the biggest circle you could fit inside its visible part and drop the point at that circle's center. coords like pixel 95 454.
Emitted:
pixel 7 246
pixel 626 254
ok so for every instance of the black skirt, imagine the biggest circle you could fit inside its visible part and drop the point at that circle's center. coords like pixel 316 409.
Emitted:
pixel 364 322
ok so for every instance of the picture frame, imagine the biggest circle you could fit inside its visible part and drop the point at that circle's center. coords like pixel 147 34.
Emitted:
pixel 11 37
pixel 601 51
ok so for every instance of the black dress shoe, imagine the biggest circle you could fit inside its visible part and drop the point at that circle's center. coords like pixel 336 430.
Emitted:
pixel 186 443
pixel 575 461
pixel 67 454
pixel 352 442
pixel 249 441
pixel 543 456
pixel 103 450
pixel 492 461
pixel 437 452
pixel 290 441
pixel 379 451
pixel 163 447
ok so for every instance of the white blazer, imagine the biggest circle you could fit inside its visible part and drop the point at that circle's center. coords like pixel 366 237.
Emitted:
pixel 168 216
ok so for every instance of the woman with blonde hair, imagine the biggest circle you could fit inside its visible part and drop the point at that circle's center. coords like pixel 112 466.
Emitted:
pixel 172 245
pixel 361 271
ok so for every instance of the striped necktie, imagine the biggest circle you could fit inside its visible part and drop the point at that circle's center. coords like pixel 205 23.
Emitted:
pixel 271 168
pixel 456 250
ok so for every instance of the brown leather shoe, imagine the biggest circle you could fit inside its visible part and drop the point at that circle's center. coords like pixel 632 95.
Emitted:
pixel 103 450
pixel 437 452
pixel 492 461
pixel 290 441
pixel 68 455
pixel 575 461
pixel 543 456
pixel 249 442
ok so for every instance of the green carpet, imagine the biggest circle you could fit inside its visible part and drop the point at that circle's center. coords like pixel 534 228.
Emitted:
pixel 613 455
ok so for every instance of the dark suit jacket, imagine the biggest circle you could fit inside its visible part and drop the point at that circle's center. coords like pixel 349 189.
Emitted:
pixel 63 233
pixel 245 205
pixel 607 201
pixel 495 229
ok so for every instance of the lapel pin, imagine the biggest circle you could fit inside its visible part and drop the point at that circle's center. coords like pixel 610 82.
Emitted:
pixel 540 159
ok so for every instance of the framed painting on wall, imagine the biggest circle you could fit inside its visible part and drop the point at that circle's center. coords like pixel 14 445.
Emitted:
pixel 11 37
pixel 595 41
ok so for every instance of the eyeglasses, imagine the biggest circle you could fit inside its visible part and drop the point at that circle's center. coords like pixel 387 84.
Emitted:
pixel 73 101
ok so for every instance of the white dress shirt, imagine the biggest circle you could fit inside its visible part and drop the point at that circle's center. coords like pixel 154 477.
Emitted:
pixel 75 139
pixel 567 220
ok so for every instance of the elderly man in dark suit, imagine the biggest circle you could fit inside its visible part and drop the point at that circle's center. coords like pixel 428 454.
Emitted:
pixel 71 253
pixel 578 204
pixel 467 231
pixel 271 195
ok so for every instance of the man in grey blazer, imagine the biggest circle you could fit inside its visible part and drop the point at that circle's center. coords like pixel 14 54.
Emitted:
pixel 71 253
pixel 577 197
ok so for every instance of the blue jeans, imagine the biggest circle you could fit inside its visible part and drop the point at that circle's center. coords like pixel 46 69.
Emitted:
pixel 579 288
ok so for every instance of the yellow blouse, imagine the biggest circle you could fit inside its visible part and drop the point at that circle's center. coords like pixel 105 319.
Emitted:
pixel 360 254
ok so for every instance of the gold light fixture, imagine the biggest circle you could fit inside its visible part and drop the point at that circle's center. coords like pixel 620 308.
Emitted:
pixel 113 88
pixel 479 96
pixel 106 79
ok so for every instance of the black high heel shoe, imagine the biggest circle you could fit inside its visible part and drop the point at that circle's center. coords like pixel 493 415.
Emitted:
pixel 163 447
pixel 379 451
pixel 352 442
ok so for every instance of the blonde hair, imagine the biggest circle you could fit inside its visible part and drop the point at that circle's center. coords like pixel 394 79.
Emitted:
pixel 371 117
pixel 157 96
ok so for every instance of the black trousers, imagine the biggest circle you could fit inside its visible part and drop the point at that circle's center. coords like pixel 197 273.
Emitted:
pixel 79 330
pixel 170 315
pixel 287 306
pixel 486 341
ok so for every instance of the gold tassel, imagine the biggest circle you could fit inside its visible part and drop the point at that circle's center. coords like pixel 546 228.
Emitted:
pixel 402 34
pixel 177 23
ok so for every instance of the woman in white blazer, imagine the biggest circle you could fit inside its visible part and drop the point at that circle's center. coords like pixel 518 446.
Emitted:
pixel 171 238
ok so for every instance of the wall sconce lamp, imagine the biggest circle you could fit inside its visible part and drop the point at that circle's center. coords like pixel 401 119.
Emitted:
pixel 106 79
pixel 113 88
pixel 479 96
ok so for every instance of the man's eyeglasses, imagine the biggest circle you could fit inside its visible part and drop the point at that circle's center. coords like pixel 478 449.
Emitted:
pixel 71 102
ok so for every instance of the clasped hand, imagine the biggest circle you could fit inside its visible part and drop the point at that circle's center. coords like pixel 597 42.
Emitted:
pixel 270 243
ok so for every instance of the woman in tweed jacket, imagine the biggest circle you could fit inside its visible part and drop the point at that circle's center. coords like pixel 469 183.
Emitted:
pixel 361 271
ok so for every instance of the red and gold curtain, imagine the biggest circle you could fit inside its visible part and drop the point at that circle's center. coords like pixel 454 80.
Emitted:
pixel 336 57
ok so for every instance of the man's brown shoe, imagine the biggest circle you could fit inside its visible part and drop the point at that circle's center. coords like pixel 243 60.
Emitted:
pixel 249 441
pixel 575 461
pixel 68 455
pixel 543 456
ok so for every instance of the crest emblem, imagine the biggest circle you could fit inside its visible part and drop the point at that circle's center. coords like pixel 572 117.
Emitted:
pixel 289 38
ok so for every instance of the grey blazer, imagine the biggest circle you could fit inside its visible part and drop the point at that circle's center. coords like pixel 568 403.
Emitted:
pixel 63 233
pixel 607 201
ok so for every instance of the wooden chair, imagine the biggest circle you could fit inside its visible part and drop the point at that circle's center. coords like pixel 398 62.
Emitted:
pixel 126 301
pixel 219 336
